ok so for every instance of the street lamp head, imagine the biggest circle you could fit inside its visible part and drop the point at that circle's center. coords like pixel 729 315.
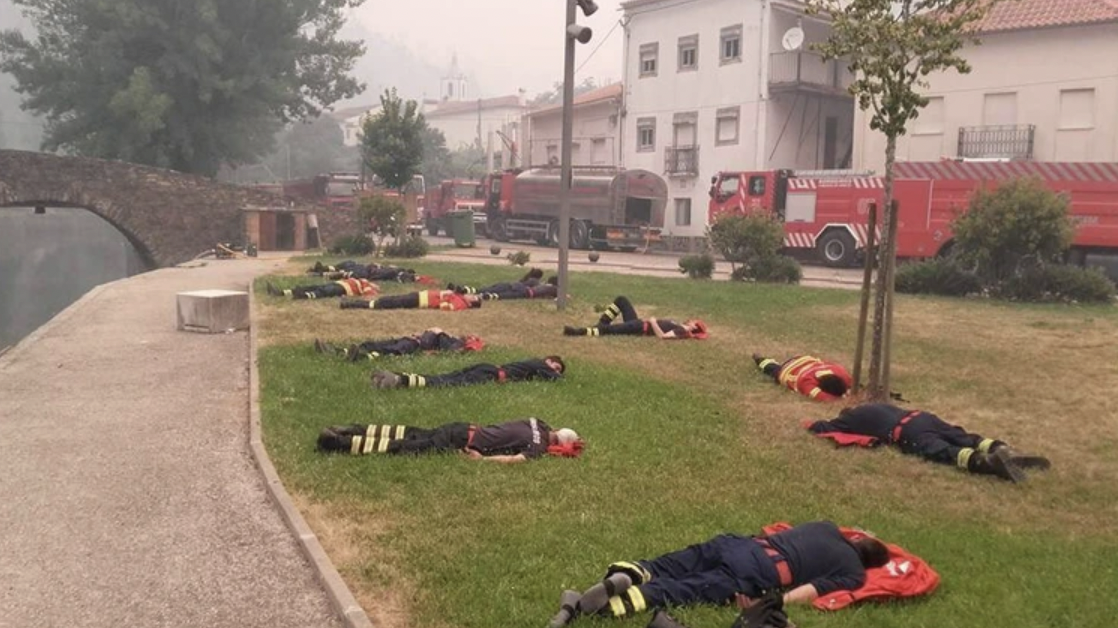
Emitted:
pixel 589 7
pixel 581 33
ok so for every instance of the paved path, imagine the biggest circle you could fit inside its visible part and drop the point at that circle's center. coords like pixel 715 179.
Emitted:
pixel 128 491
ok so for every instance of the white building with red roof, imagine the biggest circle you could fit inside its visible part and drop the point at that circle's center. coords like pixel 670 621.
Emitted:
pixel 597 130
pixel 1043 86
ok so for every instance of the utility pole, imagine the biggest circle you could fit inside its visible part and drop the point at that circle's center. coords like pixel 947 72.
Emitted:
pixel 582 34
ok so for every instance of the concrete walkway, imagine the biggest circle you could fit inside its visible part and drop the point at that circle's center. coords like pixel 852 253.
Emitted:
pixel 129 495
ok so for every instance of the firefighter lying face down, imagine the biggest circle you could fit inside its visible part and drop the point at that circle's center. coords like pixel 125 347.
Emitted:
pixel 548 369
pixel 633 325
pixel 431 340
pixel 804 562
pixel 808 375
pixel 509 442
pixel 924 434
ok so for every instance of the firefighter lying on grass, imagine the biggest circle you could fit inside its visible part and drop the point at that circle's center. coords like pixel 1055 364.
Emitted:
pixel 446 300
pixel 529 287
pixel 548 369
pixel 509 442
pixel 633 325
pixel 924 434
pixel 340 288
pixel 350 269
pixel 808 375
pixel 429 340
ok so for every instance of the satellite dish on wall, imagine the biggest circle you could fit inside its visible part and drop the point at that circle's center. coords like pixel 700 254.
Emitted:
pixel 793 39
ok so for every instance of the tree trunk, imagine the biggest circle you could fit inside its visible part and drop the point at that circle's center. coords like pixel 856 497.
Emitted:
pixel 876 389
pixel 867 291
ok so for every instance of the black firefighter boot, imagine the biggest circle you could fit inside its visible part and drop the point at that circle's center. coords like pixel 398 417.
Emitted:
pixel 1026 461
pixel 663 620
pixel 356 304
pixel 997 463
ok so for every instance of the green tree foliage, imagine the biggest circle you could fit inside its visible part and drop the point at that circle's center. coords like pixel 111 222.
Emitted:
pixel 943 276
pixel 436 164
pixel 1019 223
pixel 392 141
pixel 753 241
pixel 891 46
pixel 699 266
pixel 183 85
pixel 383 216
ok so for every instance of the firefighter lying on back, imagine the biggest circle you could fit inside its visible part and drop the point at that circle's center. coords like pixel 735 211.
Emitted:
pixel 632 325
pixel 531 278
pixel 548 369
pixel 430 341
pixel 924 434
pixel 808 375
pixel 350 269
pixel 424 300
pixel 509 442
pixel 339 288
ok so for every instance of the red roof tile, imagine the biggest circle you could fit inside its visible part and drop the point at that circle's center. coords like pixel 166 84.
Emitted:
pixel 1011 15
pixel 613 90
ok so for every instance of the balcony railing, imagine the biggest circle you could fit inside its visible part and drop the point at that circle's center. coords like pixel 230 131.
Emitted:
pixel 681 160
pixel 808 70
pixel 1012 141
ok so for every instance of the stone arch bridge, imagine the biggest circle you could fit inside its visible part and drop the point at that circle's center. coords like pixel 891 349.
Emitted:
pixel 170 217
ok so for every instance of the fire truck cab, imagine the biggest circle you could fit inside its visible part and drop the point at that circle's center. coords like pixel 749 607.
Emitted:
pixel 453 195
pixel 826 211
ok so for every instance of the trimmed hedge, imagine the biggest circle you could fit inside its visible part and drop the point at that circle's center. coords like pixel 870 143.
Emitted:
pixel 409 246
pixel 355 245
pixel 943 276
pixel 1051 283
pixel 697 266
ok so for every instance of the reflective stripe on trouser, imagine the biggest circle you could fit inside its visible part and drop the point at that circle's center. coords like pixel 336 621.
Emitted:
pixel 416 381
pixel 593 331
pixel 636 571
pixel 611 312
pixel 985 445
pixel 962 460
pixel 629 602
pixel 376 439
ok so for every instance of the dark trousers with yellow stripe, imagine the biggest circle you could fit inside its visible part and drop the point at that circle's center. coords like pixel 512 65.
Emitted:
pixel 770 367
pixel 930 437
pixel 622 307
pixel 321 291
pixel 394 439
pixel 705 573
pixel 476 374
pixel 397 302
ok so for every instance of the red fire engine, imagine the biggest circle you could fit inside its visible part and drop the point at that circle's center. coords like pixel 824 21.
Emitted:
pixel 826 211
pixel 450 195
pixel 610 207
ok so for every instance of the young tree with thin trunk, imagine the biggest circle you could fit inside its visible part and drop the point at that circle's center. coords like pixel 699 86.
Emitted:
pixel 392 141
pixel 891 46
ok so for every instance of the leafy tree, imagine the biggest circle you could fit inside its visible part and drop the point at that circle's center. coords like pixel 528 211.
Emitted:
pixel 554 96
pixel 383 216
pixel 183 85
pixel 392 141
pixel 891 46
pixel 1020 223
pixel 436 158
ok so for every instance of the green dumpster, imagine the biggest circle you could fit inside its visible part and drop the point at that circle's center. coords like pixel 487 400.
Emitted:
pixel 462 227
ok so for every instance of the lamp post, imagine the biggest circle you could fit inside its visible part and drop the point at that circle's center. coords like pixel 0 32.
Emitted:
pixel 572 32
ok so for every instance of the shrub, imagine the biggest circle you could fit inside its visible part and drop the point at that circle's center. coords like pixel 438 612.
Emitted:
pixel 943 276
pixel 355 245
pixel 1058 283
pixel 519 258
pixel 1019 223
pixel 408 246
pixel 742 238
pixel 772 269
pixel 383 216
pixel 697 266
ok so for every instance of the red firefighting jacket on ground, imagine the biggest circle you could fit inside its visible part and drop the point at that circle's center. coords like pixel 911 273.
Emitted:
pixel 905 575
pixel 442 300
pixel 358 287
pixel 802 374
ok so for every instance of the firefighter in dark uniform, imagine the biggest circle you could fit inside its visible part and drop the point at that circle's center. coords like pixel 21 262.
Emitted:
pixel 430 340
pixel 446 300
pixel 513 441
pixel 340 288
pixel 511 291
pixel 633 325
pixel 806 561
pixel 924 434
pixel 548 369
pixel 531 279
pixel 350 269
pixel 808 375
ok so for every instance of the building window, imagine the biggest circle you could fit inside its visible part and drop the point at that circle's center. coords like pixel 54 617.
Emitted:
pixel 552 154
pixel 683 212
pixel 598 155
pixel 1077 109
pixel 727 126
pixel 649 56
pixel 999 109
pixel 688 53
pixel 731 44
pixel 646 135
pixel 930 121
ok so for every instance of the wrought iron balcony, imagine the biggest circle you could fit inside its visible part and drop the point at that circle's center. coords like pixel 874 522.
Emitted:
pixel 1011 141
pixel 808 71
pixel 681 161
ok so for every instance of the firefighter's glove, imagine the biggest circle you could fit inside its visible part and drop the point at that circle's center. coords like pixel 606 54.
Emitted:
pixel 764 612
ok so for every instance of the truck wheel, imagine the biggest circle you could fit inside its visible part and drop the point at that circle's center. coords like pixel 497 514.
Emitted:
pixel 580 235
pixel 433 227
pixel 553 234
pixel 836 248
pixel 496 227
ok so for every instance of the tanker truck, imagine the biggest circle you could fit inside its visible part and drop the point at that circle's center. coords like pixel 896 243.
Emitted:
pixel 610 207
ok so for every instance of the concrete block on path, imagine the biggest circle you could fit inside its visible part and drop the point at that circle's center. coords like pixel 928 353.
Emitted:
pixel 212 311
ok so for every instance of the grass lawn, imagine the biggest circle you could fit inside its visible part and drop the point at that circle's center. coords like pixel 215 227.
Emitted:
pixel 687 440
